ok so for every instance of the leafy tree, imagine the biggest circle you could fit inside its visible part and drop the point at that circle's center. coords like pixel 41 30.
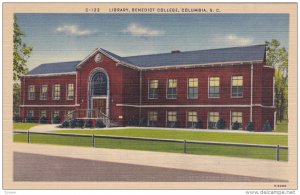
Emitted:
pixel 16 98
pixel 277 57
pixel 21 52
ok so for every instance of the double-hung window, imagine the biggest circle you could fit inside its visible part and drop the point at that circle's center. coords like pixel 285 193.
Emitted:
pixel 214 87
pixel 56 92
pixel 237 117
pixel 152 117
pixel 70 91
pixel 31 92
pixel 153 89
pixel 44 92
pixel 237 86
pixel 172 89
pixel 192 119
pixel 213 119
pixel 193 88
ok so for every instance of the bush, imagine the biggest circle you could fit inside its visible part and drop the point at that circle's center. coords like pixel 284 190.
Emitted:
pixel 73 123
pixel 199 125
pixel 143 122
pixel 250 126
pixel 89 124
pixel 17 118
pixel 43 120
pixel 100 124
pixel 221 124
pixel 235 126
pixel 65 124
pixel 133 122
pixel 30 119
pixel 174 124
pixel 267 126
pixel 56 120
pixel 80 123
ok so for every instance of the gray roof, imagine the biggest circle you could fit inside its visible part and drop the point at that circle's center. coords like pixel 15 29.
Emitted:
pixel 52 68
pixel 233 54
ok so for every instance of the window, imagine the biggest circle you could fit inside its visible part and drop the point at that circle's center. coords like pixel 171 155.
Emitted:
pixel 213 119
pixel 214 87
pixel 172 119
pixel 172 89
pixel 43 113
pixel 153 89
pixel 152 117
pixel 193 88
pixel 56 92
pixel 44 92
pixel 55 113
pixel 70 91
pixel 237 117
pixel 99 84
pixel 30 113
pixel 69 114
pixel 31 92
pixel 237 86
pixel 192 119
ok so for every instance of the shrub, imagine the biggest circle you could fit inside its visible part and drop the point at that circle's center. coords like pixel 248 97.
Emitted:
pixel 235 126
pixel 17 118
pixel 29 119
pixel 100 124
pixel 143 122
pixel 73 123
pixel 221 124
pixel 250 126
pixel 89 123
pixel 56 120
pixel 133 122
pixel 80 123
pixel 199 125
pixel 65 124
pixel 43 120
pixel 267 126
pixel 174 124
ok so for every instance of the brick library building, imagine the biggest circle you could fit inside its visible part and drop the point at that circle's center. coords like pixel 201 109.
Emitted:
pixel 192 89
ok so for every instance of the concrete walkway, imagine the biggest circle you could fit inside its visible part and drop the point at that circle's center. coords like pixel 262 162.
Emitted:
pixel 54 127
pixel 213 164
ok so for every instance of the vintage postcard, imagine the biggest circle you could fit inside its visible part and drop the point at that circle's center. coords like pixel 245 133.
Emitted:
pixel 150 96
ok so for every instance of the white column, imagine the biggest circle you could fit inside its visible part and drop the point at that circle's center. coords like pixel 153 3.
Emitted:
pixel 251 98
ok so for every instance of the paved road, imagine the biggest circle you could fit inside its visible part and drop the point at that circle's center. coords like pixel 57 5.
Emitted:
pixel 37 167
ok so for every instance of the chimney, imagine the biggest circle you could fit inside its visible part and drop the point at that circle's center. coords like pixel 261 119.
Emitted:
pixel 176 51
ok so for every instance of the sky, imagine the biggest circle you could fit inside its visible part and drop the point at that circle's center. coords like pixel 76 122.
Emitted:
pixel 71 37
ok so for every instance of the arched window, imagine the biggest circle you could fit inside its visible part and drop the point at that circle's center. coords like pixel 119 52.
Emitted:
pixel 99 84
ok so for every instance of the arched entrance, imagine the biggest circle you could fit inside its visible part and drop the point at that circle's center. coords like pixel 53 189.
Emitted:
pixel 98 93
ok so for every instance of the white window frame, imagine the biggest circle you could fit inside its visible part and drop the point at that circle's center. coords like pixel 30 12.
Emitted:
pixel 232 86
pixel 188 87
pixel 208 121
pixel 209 86
pixel 53 92
pixel 149 84
pixel 232 121
pixel 31 94
pixel 41 113
pixel 42 97
pixel 167 87
pixel 28 111
pixel 67 91
pixel 152 113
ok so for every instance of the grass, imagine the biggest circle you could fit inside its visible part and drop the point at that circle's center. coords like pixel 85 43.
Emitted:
pixel 199 149
pixel 24 126
pixel 190 135
pixel 282 126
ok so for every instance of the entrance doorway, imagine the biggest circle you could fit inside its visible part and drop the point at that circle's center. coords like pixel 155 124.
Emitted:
pixel 99 105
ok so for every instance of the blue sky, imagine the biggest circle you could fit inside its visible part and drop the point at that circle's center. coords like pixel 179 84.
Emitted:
pixel 69 37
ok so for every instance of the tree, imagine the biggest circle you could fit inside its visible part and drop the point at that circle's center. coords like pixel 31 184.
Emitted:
pixel 277 57
pixel 20 56
pixel 21 52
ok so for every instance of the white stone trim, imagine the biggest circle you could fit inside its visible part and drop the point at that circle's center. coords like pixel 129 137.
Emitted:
pixel 194 106
pixel 49 74
pixel 56 105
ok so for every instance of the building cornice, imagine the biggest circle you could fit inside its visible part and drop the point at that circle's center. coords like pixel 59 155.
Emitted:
pixel 48 74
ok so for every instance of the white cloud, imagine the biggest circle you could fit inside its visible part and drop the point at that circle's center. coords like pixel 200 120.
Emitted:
pixel 73 30
pixel 233 40
pixel 135 29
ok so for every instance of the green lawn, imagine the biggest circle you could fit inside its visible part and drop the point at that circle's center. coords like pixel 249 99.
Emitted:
pixel 190 135
pixel 24 126
pixel 199 149
pixel 282 127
